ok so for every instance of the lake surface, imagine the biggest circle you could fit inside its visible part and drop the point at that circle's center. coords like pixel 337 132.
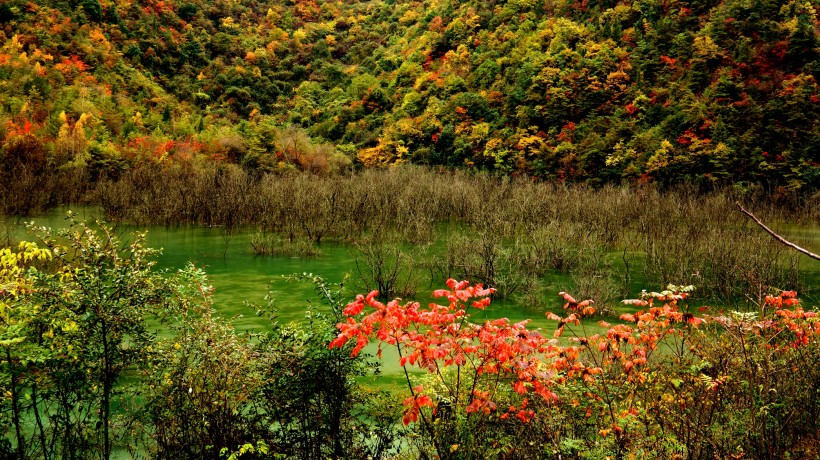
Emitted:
pixel 242 280
pixel 240 277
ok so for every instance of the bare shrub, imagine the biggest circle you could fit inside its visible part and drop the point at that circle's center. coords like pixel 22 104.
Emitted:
pixel 383 266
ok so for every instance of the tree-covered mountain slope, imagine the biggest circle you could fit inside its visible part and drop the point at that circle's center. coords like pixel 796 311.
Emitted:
pixel 636 90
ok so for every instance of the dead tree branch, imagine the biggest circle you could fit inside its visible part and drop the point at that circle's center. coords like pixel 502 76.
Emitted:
pixel 776 236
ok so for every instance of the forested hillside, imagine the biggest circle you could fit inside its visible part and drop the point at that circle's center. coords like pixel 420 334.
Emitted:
pixel 593 149
pixel 609 91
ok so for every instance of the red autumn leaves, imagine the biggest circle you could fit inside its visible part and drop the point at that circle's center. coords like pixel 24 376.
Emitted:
pixel 481 368
pixel 440 336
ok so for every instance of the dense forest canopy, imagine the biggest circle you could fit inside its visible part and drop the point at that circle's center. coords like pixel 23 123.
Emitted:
pixel 637 90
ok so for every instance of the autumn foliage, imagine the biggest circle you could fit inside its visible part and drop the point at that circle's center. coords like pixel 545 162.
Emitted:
pixel 440 337
pixel 664 380
pixel 627 380
pixel 719 92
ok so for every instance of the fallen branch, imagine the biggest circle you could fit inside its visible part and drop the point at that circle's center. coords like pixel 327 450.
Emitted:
pixel 778 237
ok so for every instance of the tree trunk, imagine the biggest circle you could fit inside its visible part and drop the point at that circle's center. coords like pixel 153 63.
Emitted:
pixel 15 408
pixel 106 396
pixel 41 430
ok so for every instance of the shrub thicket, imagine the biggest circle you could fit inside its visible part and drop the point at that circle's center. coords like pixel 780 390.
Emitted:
pixel 609 240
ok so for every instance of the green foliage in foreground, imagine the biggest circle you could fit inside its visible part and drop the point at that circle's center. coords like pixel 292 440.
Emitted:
pixel 102 353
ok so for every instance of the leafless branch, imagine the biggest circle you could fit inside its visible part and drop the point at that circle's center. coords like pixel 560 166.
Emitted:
pixel 776 236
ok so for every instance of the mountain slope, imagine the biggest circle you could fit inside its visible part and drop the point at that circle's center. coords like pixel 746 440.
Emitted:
pixel 715 91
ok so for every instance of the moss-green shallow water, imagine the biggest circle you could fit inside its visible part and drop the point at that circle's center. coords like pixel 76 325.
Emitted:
pixel 242 279
pixel 238 276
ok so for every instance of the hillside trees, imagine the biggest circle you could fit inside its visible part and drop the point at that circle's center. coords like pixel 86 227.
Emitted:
pixel 715 92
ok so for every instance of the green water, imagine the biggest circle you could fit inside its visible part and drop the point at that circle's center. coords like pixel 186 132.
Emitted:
pixel 242 280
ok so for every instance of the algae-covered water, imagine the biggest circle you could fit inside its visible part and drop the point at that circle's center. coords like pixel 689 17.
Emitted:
pixel 242 280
